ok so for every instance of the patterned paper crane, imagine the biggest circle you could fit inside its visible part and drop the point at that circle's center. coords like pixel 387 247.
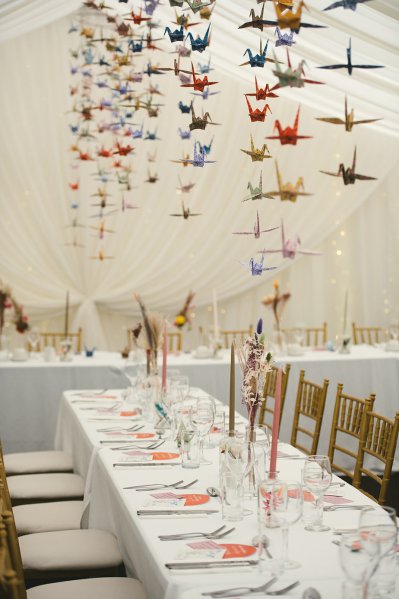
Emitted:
pixel 256 191
pixel 256 115
pixel 256 230
pixel 349 119
pixel 288 135
pixel 257 154
pixel 349 66
pixel 290 247
pixel 288 191
pixel 292 77
pixel 348 174
pixel 263 93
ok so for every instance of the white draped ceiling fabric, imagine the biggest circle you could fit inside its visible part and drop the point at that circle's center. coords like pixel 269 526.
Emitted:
pixel 161 257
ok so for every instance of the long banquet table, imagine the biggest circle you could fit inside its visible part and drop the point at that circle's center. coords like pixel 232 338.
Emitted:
pixel 30 391
pixel 113 508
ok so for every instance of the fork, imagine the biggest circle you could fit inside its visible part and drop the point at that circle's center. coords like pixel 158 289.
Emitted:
pixel 114 429
pixel 257 590
pixel 153 445
pixel 185 537
pixel 333 508
pixel 241 590
pixel 176 486
pixel 191 535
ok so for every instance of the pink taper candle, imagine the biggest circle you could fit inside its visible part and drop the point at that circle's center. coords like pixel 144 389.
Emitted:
pixel 165 355
pixel 276 422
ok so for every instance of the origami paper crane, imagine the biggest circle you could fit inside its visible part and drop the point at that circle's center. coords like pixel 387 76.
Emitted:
pixel 101 229
pixel 288 135
pixel 199 44
pixel 277 302
pixel 185 161
pixel 348 174
pixel 137 133
pixel 258 60
pixel 152 109
pixel 198 84
pixel 349 66
pixel 178 3
pixel 206 12
pixel 150 6
pixel 127 206
pixel 292 77
pixel 75 225
pixel 197 5
pixel 256 193
pixel 257 21
pixel 84 156
pixel 124 181
pixel 351 4
pixel 262 93
pixel 74 186
pixel 186 212
pixel 184 134
pixel 206 149
pixel 349 119
pixel 175 36
pixel 257 231
pixel 290 247
pixel 136 47
pixel 291 19
pixel 100 193
pixel 186 188
pixel 153 70
pixel 152 178
pixel 123 150
pixel 257 115
pixel 101 256
pixel 137 18
pixel 185 108
pixel 101 175
pixel 257 154
pixel 288 191
pixel 257 268
pixel 200 122
pixel 204 68
pixel 198 158
pixel 176 68
pixel 75 244
pixel 151 136
pixel 284 39
pixel 182 51
pixel 184 20
pixel 205 94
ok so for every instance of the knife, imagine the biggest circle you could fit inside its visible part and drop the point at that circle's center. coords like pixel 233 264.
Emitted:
pixel 145 464
pixel 174 512
pixel 216 564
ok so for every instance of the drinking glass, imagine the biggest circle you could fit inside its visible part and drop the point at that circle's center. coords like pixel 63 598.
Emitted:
pixel 271 544
pixel 356 562
pixel 286 503
pixel 34 338
pixel 262 448
pixel 130 371
pixel 218 428
pixel 190 449
pixel 317 478
pixel 379 524
pixel 231 495
pixel 202 416
pixel 180 385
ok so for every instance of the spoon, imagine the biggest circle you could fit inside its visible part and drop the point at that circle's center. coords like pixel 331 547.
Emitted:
pixel 256 541
pixel 311 593
pixel 214 492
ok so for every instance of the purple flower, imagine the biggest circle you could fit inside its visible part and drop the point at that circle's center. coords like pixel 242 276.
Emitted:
pixel 259 327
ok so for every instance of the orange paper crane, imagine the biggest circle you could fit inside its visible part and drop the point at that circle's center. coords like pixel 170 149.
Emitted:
pixel 101 256
pixel 257 115
pixel 348 121
pixel 262 93
pixel 198 84
pixel 291 19
pixel 288 135
pixel 257 154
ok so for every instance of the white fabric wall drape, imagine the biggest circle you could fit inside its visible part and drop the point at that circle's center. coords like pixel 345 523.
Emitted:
pixel 162 258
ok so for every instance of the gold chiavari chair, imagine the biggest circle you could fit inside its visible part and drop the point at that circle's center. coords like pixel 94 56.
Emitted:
pixel 54 339
pixel 369 335
pixel 378 439
pixel 349 413
pixel 269 392
pixel 314 336
pixel 229 336
pixel 175 342
pixel 309 406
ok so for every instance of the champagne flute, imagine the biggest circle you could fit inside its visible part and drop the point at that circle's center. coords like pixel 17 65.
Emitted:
pixel 202 416
pixel 317 478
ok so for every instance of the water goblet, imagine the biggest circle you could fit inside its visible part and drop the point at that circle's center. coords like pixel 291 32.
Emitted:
pixel 317 478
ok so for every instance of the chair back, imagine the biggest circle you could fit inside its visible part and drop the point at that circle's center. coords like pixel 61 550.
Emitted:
pixel 369 335
pixel 12 584
pixel 314 336
pixel 309 410
pixel 349 413
pixel 269 392
pixel 228 336
pixel 378 439
pixel 54 339
pixel 175 342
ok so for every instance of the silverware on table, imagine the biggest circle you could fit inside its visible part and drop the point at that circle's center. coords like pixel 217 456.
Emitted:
pixel 333 508
pixel 177 486
pixel 215 564
pixel 143 464
pixel 183 512
pixel 241 590
pixel 220 533
pixel 133 445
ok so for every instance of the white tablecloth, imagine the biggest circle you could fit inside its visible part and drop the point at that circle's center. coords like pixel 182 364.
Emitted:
pixel 30 391
pixel 114 509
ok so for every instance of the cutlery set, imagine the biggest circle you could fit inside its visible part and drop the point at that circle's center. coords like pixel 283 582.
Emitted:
pixel 183 512
pixel 116 429
pixel 138 444
pixel 219 533
pixel 241 591
pixel 157 486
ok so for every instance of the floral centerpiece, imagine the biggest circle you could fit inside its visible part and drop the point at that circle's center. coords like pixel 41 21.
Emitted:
pixel 8 302
pixel 149 335
pixel 183 318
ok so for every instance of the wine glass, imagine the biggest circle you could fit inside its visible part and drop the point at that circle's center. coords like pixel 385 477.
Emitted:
pixel 286 503
pixel 379 525
pixel 317 478
pixel 180 387
pixel 202 416
pixel 34 338
pixel 356 562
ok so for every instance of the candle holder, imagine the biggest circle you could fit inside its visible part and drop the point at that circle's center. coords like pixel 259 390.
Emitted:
pixel 66 346
pixel 344 343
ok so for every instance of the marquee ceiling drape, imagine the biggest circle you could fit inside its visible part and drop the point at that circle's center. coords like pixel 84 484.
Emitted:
pixel 154 254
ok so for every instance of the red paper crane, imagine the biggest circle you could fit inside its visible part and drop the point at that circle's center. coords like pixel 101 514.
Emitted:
pixel 123 150
pixel 288 135
pixel 198 84
pixel 137 18
pixel 74 186
pixel 257 115
pixel 84 156
pixel 262 93
pixel 104 153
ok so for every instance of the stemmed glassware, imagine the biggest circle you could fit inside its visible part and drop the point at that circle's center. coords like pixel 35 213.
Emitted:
pixel 34 338
pixel 202 416
pixel 286 504
pixel 356 562
pixel 317 478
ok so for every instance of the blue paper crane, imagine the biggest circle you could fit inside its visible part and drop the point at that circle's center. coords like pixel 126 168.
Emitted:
pixel 199 44
pixel 349 66
pixel 175 36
